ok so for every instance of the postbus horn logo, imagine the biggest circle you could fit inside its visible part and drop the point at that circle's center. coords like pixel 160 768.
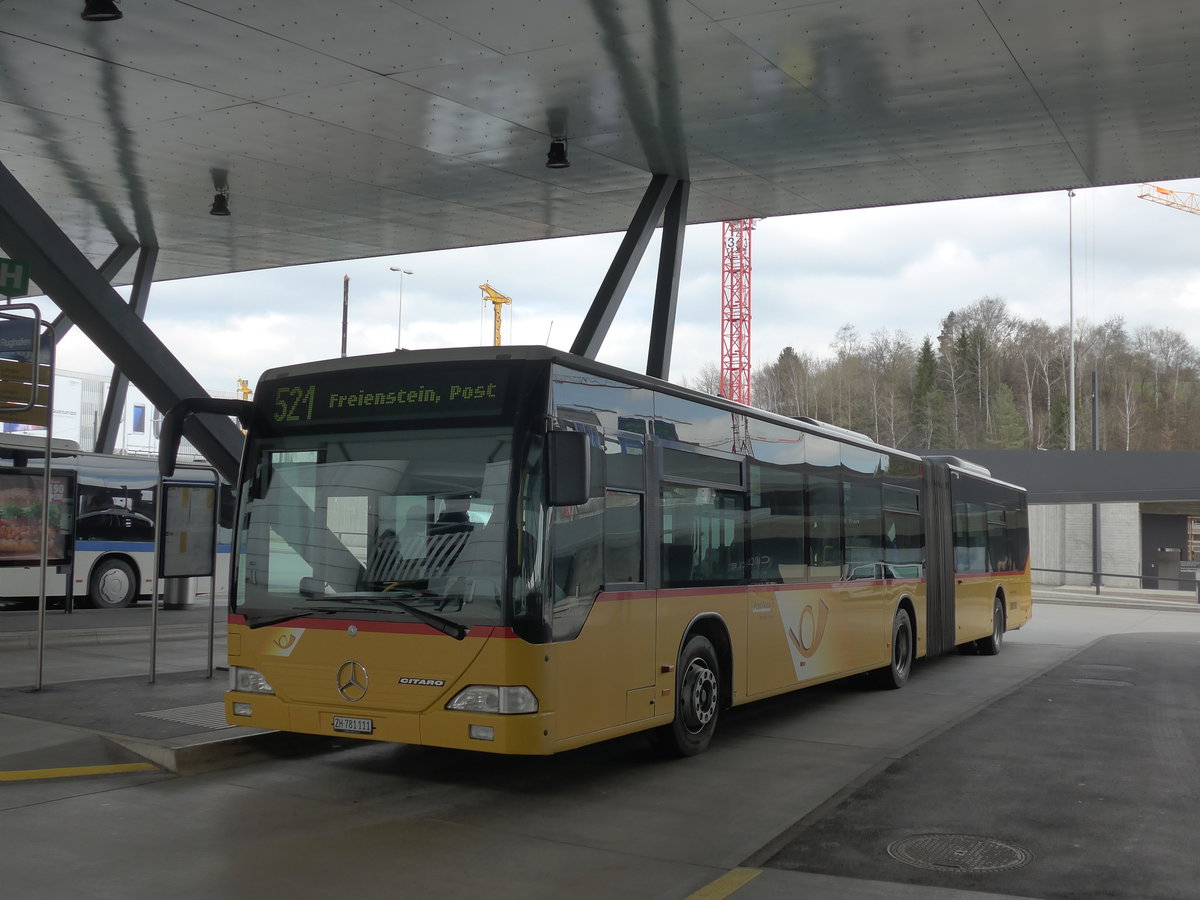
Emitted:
pixel 811 632
pixel 352 680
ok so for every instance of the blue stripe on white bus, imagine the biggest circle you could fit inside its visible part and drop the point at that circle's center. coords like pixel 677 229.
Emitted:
pixel 126 547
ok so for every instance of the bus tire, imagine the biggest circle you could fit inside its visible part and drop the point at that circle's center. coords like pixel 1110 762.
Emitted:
pixel 113 584
pixel 697 699
pixel 990 645
pixel 895 674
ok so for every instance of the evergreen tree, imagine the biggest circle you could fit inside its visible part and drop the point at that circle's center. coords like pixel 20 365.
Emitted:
pixel 1007 431
pixel 929 403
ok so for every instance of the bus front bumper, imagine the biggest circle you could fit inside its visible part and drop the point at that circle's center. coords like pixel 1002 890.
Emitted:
pixel 527 734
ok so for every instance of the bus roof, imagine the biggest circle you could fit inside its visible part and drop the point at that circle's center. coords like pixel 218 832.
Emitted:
pixel 15 443
pixel 533 353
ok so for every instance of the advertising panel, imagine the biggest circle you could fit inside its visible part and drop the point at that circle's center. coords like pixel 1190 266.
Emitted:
pixel 21 518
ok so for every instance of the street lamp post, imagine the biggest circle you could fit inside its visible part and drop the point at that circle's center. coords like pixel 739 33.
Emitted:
pixel 1071 315
pixel 400 304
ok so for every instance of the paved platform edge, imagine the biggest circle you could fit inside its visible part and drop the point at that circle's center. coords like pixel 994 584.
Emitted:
pixel 27 640
pixel 206 752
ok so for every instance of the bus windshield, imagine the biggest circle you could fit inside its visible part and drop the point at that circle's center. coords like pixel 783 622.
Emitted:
pixel 382 524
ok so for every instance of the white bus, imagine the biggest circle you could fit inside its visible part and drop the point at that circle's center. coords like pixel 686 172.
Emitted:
pixel 101 524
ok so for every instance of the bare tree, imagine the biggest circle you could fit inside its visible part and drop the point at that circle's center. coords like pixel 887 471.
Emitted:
pixel 707 380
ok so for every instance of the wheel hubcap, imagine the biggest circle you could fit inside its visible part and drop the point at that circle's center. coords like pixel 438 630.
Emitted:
pixel 699 695
pixel 113 586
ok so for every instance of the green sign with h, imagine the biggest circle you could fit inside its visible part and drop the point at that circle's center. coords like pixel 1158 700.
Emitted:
pixel 14 278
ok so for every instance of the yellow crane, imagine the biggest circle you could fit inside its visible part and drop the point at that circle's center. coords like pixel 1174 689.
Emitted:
pixel 497 299
pixel 1185 200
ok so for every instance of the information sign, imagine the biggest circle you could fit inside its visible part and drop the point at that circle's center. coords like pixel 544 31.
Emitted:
pixel 189 532
pixel 24 394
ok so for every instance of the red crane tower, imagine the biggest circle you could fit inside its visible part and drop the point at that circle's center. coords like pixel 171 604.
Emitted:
pixel 735 309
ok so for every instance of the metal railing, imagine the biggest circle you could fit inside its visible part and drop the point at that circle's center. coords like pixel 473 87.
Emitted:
pixel 1096 576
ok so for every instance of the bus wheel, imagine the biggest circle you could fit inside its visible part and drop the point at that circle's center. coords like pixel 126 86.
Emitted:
pixel 113 584
pixel 895 674
pixel 697 699
pixel 990 646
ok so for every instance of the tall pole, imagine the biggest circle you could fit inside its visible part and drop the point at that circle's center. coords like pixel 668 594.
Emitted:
pixel 345 310
pixel 1071 302
pixel 400 303
pixel 1097 555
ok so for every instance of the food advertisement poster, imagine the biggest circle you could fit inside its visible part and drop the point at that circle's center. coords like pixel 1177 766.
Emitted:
pixel 21 495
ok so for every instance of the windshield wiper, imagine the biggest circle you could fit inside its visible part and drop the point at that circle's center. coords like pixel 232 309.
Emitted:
pixel 360 600
pixel 265 620
pixel 364 601
pixel 433 620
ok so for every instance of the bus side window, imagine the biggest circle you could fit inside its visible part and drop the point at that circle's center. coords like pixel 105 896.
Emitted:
pixel 824 531
pixel 776 524
pixel 703 536
pixel 577 566
pixel 623 538
pixel 577 563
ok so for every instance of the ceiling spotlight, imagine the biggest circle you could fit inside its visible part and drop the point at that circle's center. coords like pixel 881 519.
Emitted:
pixel 220 205
pixel 100 11
pixel 557 157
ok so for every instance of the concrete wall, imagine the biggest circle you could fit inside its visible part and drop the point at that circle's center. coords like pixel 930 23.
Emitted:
pixel 1060 537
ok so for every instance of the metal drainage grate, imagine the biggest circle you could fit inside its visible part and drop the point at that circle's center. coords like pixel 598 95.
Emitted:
pixel 958 853
pixel 205 715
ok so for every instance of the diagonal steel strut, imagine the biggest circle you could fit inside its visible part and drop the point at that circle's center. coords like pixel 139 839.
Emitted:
pixel 65 275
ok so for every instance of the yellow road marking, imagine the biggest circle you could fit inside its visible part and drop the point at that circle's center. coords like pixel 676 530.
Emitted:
pixel 726 885
pixel 76 771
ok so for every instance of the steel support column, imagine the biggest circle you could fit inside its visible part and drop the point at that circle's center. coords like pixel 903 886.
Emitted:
pixel 67 278
pixel 666 294
pixel 108 271
pixel 118 388
pixel 612 289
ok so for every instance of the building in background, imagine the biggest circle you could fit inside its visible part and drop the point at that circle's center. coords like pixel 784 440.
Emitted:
pixel 79 403
pixel 1131 515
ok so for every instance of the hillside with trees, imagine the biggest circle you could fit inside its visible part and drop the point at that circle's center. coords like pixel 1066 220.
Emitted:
pixel 991 379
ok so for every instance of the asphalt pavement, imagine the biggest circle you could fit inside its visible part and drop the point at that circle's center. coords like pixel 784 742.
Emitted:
pixel 136 690
pixel 1076 758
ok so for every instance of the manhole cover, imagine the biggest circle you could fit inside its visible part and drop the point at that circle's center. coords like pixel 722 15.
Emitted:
pixel 958 853
pixel 1103 682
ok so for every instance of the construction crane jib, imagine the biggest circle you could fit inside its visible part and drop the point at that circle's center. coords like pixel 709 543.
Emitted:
pixel 1184 200
pixel 497 299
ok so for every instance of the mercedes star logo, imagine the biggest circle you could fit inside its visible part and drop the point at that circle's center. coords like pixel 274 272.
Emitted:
pixel 352 680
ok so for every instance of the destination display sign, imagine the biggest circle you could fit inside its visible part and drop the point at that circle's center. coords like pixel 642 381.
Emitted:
pixel 400 393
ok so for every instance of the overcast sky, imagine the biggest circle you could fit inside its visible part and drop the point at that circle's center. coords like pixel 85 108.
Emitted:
pixel 898 268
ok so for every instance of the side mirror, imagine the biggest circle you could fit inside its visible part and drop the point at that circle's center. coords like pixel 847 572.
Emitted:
pixel 567 468
pixel 172 424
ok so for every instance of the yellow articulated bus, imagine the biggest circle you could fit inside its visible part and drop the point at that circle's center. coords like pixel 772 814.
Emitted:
pixel 516 550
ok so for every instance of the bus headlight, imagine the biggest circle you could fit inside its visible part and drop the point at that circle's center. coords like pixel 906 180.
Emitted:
pixel 250 681
pixel 492 698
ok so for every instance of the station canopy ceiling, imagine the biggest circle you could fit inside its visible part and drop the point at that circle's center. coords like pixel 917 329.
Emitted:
pixel 357 128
